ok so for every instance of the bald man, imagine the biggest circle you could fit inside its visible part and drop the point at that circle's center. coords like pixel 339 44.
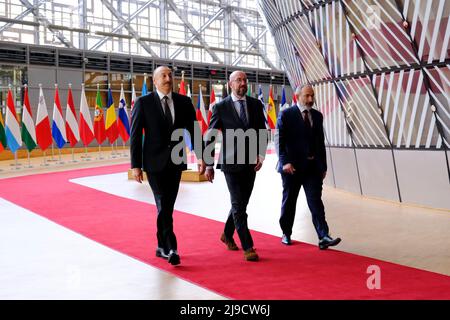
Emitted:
pixel 163 114
pixel 302 162
pixel 240 118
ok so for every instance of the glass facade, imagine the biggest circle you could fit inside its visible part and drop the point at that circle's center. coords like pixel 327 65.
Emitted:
pixel 381 69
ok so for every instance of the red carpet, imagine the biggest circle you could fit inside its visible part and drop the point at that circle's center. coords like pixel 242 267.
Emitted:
pixel 297 272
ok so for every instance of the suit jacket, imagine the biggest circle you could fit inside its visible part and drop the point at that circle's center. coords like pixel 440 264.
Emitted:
pixel 154 152
pixel 292 139
pixel 225 117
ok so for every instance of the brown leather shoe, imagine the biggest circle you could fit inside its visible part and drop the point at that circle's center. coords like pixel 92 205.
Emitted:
pixel 231 245
pixel 251 255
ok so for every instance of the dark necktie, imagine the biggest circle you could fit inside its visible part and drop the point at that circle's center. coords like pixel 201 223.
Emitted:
pixel 242 113
pixel 167 112
pixel 309 134
pixel 307 122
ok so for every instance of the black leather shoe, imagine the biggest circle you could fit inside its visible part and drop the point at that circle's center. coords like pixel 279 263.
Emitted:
pixel 328 241
pixel 174 258
pixel 161 254
pixel 286 240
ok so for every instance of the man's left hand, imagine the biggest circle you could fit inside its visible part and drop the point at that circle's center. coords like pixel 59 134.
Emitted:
pixel 201 166
pixel 259 163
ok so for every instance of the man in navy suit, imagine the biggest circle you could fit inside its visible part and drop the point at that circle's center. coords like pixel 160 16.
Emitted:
pixel 163 114
pixel 303 162
pixel 240 118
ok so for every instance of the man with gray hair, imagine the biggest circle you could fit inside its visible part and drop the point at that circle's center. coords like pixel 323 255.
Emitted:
pixel 303 162
pixel 239 117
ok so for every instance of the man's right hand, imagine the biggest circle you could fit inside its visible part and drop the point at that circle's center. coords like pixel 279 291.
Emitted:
pixel 138 175
pixel 209 174
pixel 288 168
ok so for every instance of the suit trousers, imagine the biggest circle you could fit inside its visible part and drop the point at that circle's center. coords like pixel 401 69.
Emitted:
pixel 240 185
pixel 310 178
pixel 165 185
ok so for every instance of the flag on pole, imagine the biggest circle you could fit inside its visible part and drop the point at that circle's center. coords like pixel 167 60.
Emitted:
pixel 284 103
pixel 261 98
pixel 122 121
pixel 225 90
pixel 187 137
pixel 99 122
pixel 85 124
pixel 212 103
pixel 2 133
pixel 72 131
pixel 12 127
pixel 188 94
pixel 294 100
pixel 111 120
pixel 144 86
pixel 201 112
pixel 133 97
pixel 182 89
pixel 271 112
pixel 58 125
pixel 43 131
pixel 28 128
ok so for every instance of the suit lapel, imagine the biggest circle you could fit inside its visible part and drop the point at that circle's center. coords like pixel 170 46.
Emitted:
pixel 233 111
pixel 300 119
pixel 158 104
pixel 250 111
pixel 159 108
pixel 176 109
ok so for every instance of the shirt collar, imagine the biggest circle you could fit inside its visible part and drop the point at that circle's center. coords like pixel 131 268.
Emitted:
pixel 161 95
pixel 303 108
pixel 236 98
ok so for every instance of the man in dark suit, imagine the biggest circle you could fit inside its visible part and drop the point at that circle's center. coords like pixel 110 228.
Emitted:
pixel 163 114
pixel 244 143
pixel 302 162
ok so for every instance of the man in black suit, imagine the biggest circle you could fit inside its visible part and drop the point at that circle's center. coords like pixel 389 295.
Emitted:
pixel 302 162
pixel 244 143
pixel 164 115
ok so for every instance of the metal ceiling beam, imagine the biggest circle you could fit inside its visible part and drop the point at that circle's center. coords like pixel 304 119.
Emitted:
pixel 44 21
pixel 127 26
pixel 248 48
pixel 192 29
pixel 200 30
pixel 254 42
pixel 122 24
pixel 22 15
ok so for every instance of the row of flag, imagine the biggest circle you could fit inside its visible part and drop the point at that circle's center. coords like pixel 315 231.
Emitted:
pixel 69 130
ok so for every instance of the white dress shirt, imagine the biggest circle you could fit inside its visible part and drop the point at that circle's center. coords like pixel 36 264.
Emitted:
pixel 303 108
pixel 237 104
pixel 169 102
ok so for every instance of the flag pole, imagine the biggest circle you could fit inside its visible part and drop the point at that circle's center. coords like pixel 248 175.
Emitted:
pixel 125 154
pixel 100 153
pixel 60 160
pixel 113 155
pixel 16 164
pixel 44 164
pixel 29 162
pixel 53 153
pixel 86 157
pixel 73 157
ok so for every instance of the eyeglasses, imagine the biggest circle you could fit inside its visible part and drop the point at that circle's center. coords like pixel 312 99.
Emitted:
pixel 240 80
